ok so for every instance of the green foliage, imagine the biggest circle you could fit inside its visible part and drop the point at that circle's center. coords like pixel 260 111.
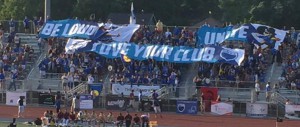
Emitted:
pixel 276 13
pixel 18 9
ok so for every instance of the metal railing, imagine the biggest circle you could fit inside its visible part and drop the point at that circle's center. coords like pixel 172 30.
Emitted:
pixel 162 92
pixel 19 27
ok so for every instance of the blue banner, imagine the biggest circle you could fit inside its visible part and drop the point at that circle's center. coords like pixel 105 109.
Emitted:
pixel 70 29
pixel 261 35
pixel 187 107
pixel 176 54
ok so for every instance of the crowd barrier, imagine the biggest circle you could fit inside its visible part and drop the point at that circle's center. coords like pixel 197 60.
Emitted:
pixel 19 26
pixel 240 104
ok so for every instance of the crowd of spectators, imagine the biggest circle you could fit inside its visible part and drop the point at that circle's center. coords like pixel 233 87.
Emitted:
pixel 135 72
pixel 14 58
pixel 253 68
pixel 290 77
pixel 91 118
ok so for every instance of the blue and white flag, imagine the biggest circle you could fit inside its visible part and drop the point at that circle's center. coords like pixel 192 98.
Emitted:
pixel 123 33
pixel 132 19
pixel 70 28
pixel 176 54
pixel 261 35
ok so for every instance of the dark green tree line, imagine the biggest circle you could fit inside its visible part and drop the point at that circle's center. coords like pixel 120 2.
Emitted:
pixel 276 13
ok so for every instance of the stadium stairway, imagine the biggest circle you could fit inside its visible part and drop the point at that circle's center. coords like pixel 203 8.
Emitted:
pixel 273 73
pixel 36 82
pixel 187 86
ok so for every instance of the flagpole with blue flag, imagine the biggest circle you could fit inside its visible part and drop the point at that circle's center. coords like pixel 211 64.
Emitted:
pixel 132 16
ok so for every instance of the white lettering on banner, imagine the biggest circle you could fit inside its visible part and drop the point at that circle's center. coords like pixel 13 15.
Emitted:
pixel 168 52
pixel 242 32
pixel 105 49
pixel 117 89
pixel 153 51
pixel 125 48
pixel 73 29
pixel 91 30
pixel 233 33
pixel 184 57
pixel 116 47
pixel 197 54
pixel 176 58
pixel 208 54
pixel 83 29
pixel 147 51
pixel 47 29
pixel 94 48
pixel 65 33
pixel 228 33
pixel 207 36
pixel 159 51
pixel 212 38
pixel 138 50
pixel 55 29
pixel 220 37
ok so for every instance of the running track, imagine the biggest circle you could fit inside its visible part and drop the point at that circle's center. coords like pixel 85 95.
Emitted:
pixel 169 119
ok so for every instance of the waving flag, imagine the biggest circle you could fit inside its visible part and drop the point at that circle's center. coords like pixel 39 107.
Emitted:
pixel 125 58
pixel 132 17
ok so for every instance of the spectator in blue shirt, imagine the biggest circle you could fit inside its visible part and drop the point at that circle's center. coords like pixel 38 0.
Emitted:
pixel 40 23
pixel 12 26
pixel 2 80
pixel 26 24
pixel 35 24
pixel 13 78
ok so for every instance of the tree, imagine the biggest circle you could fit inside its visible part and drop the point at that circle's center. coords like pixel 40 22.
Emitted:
pixel 18 9
pixel 62 9
pixel 277 13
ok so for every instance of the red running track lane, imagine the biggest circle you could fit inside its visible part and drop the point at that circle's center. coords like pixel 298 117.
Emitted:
pixel 169 119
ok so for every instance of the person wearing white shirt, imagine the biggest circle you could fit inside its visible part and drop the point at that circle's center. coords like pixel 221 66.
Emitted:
pixel 72 67
pixel 293 85
pixel 70 81
pixel 268 91
pixel 17 40
pixel 168 33
pixel 64 82
pixel 141 102
pixel 76 79
pixel 90 79
pixel 257 89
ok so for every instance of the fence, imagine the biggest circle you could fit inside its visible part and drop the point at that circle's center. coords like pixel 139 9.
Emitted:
pixel 19 28
pixel 240 97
